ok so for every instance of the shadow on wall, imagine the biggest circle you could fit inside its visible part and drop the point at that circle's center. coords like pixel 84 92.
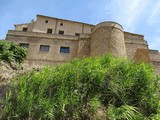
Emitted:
pixel 142 55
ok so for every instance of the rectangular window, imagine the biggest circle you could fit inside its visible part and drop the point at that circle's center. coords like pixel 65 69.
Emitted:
pixel 49 31
pixel 25 45
pixel 46 21
pixel 64 49
pixel 25 29
pixel 61 24
pixel 44 48
pixel 61 32
pixel 77 34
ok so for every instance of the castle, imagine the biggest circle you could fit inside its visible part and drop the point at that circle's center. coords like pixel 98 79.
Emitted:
pixel 52 41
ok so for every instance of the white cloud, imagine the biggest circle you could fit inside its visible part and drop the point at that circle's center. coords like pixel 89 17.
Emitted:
pixel 129 12
pixel 155 14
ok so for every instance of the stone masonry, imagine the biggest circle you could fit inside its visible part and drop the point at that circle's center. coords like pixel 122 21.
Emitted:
pixel 53 41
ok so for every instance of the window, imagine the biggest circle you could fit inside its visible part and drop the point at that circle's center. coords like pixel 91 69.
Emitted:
pixel 46 21
pixel 61 24
pixel 25 29
pixel 77 34
pixel 65 49
pixel 44 48
pixel 49 31
pixel 25 45
pixel 61 32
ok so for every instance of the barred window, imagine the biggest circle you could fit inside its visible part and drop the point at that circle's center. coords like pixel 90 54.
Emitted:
pixel 49 31
pixel 25 29
pixel 64 49
pixel 61 32
pixel 44 48
pixel 25 45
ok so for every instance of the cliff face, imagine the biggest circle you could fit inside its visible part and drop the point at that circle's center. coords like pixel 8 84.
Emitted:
pixel 7 71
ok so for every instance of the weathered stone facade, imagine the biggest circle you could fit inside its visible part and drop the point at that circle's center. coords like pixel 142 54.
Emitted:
pixel 53 41
pixel 107 37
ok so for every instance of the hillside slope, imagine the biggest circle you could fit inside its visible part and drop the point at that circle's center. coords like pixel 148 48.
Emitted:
pixel 92 88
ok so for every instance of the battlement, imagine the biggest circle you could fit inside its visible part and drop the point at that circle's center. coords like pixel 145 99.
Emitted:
pixel 108 24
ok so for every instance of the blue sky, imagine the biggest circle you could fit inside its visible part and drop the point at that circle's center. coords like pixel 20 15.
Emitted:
pixel 137 16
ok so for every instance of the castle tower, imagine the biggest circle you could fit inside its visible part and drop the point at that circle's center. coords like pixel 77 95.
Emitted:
pixel 108 37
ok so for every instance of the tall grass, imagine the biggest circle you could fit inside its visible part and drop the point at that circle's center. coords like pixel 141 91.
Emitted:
pixel 79 89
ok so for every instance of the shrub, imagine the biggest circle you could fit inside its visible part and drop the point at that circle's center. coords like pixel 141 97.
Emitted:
pixel 124 112
pixel 10 52
pixel 77 90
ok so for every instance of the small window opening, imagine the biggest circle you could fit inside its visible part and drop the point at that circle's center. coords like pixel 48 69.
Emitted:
pixel 61 32
pixel 25 29
pixel 61 24
pixel 49 31
pixel 44 48
pixel 77 34
pixel 64 49
pixel 46 21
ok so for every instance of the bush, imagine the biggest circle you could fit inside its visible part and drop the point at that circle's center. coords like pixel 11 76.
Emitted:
pixel 10 52
pixel 79 89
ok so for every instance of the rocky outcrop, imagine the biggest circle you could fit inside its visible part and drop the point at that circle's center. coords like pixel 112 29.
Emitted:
pixel 7 71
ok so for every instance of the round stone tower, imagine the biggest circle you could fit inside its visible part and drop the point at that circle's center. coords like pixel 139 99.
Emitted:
pixel 108 37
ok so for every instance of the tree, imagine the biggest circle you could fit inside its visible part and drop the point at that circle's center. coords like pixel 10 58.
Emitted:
pixel 10 52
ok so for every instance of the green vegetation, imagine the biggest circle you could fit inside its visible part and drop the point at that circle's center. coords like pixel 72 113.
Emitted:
pixel 10 52
pixel 121 89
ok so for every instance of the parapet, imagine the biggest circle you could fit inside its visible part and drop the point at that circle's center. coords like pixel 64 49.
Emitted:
pixel 133 36
pixel 108 24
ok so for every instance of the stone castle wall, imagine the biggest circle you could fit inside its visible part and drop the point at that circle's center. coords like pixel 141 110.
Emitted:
pixel 43 23
pixel 154 55
pixel 105 37
pixel 108 37
pixel 83 47
pixel 53 56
